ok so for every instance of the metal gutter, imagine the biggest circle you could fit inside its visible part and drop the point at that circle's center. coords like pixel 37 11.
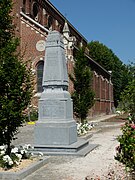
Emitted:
pixel 95 62
pixel 34 22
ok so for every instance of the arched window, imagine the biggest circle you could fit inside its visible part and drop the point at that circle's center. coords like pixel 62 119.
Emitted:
pixel 35 11
pixel 40 67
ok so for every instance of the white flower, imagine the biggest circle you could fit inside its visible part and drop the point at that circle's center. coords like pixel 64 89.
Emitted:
pixel 10 162
pixel 14 150
pixel 19 156
pixel 84 132
pixel 2 147
pixel 7 158
pixel 32 147
pixel 78 126
pixel 23 151
pixel 2 152
pixel 40 154
pixel 27 146
pixel 17 162
pixel 83 129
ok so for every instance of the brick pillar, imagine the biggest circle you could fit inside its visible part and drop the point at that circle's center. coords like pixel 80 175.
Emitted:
pixel 100 93
pixel 27 7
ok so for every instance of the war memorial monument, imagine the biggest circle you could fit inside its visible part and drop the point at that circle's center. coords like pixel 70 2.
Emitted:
pixel 55 132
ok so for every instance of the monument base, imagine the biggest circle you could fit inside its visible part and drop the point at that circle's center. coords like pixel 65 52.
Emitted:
pixel 55 133
pixel 79 148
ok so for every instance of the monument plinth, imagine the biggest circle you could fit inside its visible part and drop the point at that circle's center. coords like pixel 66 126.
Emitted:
pixel 55 131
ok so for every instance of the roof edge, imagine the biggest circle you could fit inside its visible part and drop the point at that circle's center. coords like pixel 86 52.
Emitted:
pixel 65 19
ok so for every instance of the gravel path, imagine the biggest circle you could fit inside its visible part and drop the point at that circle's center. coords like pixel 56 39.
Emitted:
pixel 99 164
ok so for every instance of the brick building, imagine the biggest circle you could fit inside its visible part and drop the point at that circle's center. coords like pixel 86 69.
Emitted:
pixel 34 19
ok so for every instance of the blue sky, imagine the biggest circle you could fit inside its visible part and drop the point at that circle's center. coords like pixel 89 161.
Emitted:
pixel 111 22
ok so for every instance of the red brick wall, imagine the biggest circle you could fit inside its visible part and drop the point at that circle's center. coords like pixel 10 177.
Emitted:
pixel 29 38
pixel 103 93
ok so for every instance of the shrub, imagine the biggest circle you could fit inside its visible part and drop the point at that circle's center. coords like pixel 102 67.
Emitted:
pixel 83 95
pixel 15 79
pixel 31 113
pixel 15 156
pixel 83 128
pixel 126 150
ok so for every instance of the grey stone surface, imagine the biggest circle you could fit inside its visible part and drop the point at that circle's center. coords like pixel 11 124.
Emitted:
pixel 77 168
pixel 80 148
pixel 56 131
pixel 55 70
pixel 55 125
pixel 19 175
pixel 25 135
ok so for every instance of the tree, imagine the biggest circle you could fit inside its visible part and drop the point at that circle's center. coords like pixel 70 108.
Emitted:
pixel 107 59
pixel 15 79
pixel 83 96
pixel 128 99
pixel 101 54
pixel 126 150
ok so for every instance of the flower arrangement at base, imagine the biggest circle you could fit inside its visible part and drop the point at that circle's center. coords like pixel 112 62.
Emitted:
pixel 83 129
pixel 15 157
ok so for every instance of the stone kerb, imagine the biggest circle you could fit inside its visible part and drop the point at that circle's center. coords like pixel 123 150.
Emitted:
pixel 19 175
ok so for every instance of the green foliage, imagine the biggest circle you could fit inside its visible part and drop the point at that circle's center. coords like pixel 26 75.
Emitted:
pixel 6 26
pixel 83 96
pixel 32 113
pixel 126 150
pixel 15 84
pixel 128 99
pixel 107 59
pixel 101 54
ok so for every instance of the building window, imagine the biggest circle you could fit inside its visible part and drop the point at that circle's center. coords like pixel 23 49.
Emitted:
pixel 40 67
pixel 35 10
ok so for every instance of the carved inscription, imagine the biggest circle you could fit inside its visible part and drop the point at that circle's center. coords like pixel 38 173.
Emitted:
pixel 52 109
pixel 52 66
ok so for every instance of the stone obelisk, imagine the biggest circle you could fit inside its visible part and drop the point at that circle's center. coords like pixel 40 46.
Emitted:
pixel 55 125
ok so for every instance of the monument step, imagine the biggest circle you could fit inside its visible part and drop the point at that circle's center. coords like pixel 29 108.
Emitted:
pixel 81 152
pixel 74 147
pixel 79 148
